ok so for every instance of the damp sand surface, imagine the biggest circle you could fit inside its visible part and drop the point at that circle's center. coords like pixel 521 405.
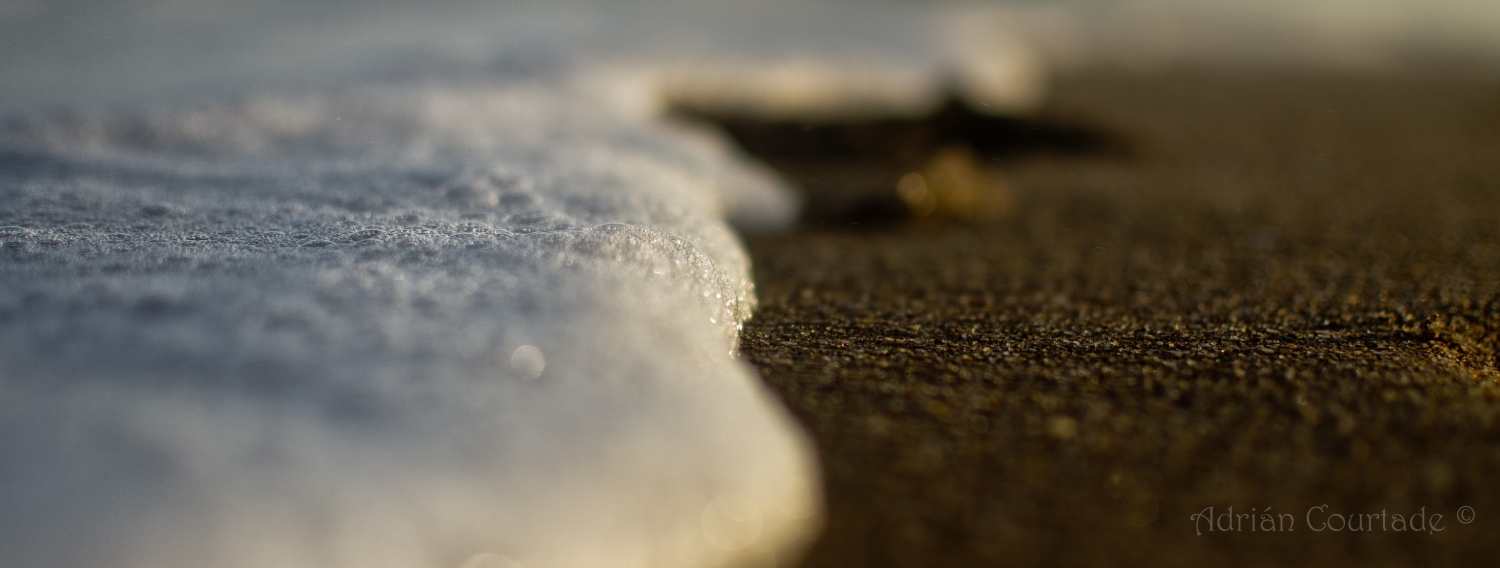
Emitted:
pixel 1267 290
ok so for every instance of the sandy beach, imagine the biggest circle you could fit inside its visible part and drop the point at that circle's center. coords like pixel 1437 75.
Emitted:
pixel 1270 291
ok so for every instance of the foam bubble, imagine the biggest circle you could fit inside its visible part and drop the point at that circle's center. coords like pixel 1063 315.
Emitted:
pixel 528 362
pixel 732 521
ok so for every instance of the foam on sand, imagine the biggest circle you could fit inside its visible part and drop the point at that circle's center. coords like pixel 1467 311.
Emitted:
pixel 481 326
pixel 370 285
pixel 363 284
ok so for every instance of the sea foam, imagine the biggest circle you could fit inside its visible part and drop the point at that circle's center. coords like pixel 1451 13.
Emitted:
pixel 490 325
pixel 362 284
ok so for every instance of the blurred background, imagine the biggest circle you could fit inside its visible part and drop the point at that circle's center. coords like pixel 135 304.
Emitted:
pixel 89 52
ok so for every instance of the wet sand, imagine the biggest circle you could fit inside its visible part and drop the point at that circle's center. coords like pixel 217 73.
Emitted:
pixel 1253 291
